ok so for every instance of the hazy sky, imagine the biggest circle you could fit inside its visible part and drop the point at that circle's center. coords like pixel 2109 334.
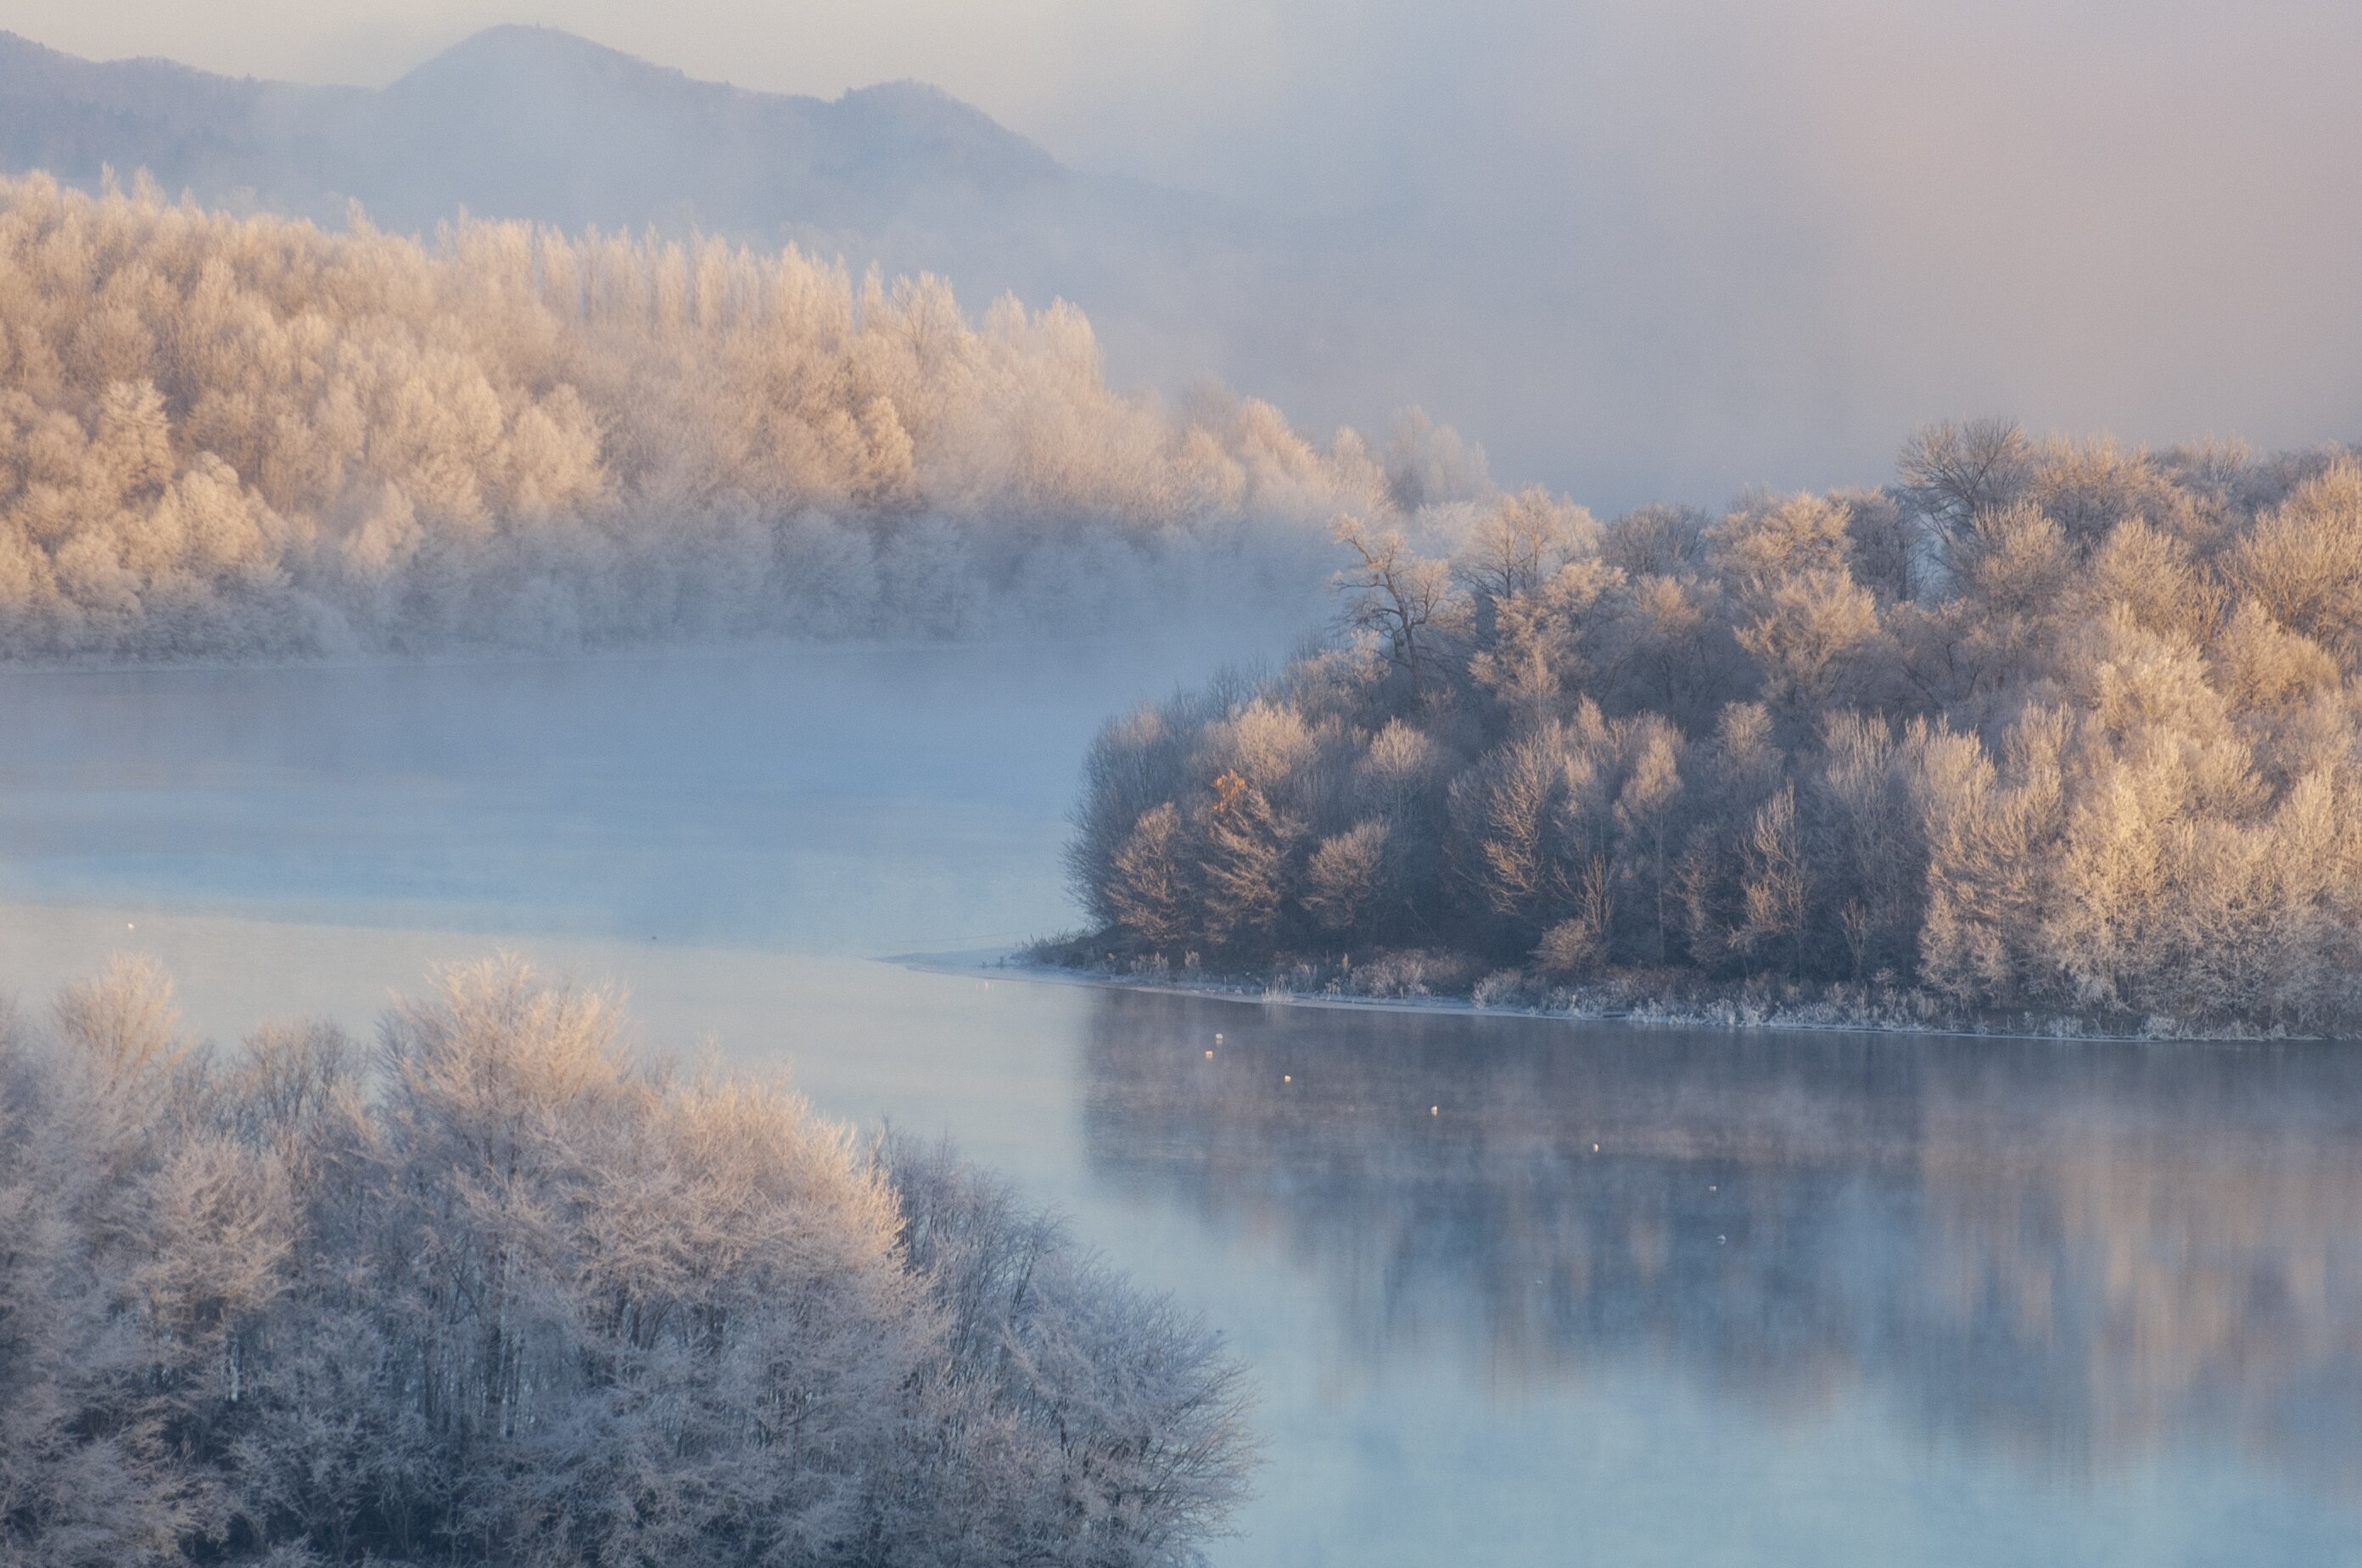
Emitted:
pixel 1635 246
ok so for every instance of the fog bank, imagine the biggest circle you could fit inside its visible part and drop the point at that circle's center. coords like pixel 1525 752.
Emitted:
pixel 1641 251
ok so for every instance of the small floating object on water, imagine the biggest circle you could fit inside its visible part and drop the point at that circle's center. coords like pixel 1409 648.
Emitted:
pixel 1594 1148
pixel 1286 1078
pixel 1435 1110
pixel 1711 1188
pixel 1209 1055
pixel 1720 1240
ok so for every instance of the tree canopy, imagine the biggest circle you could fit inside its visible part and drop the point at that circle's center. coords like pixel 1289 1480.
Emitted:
pixel 2046 727
pixel 234 436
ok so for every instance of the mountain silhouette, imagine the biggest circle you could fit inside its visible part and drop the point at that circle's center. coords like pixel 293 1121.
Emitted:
pixel 521 122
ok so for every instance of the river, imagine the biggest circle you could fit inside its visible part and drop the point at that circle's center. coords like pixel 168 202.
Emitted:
pixel 1515 1291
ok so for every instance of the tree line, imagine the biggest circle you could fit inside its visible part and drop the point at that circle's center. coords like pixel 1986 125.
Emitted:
pixel 234 437
pixel 504 1291
pixel 2043 727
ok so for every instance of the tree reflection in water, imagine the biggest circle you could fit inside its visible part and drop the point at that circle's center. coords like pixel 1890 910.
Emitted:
pixel 2074 1253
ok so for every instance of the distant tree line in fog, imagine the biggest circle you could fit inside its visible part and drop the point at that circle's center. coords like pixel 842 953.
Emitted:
pixel 225 436
pixel 500 1293
pixel 2044 727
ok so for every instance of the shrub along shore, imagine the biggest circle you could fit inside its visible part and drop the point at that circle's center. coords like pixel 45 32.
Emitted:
pixel 503 1290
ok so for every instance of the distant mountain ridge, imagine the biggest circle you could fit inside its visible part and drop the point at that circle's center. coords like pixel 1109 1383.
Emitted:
pixel 520 122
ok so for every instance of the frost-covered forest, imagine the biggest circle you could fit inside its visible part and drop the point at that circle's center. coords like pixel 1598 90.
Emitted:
pixel 247 436
pixel 502 1291
pixel 2043 728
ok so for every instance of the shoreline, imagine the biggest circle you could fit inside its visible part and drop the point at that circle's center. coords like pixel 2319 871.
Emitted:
pixel 1731 1016
pixel 491 654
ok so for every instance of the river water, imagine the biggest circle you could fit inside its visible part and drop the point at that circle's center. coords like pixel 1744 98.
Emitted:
pixel 1515 1291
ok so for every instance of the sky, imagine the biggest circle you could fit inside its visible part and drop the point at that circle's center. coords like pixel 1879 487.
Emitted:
pixel 1636 247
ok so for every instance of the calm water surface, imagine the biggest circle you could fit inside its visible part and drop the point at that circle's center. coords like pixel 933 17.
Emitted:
pixel 1515 1291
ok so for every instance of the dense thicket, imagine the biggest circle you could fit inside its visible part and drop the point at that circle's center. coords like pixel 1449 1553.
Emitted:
pixel 503 1294
pixel 228 436
pixel 2049 727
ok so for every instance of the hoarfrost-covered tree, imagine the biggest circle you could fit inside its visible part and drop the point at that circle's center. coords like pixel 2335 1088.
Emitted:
pixel 1394 593
pixel 2048 727
pixel 225 436
pixel 511 1292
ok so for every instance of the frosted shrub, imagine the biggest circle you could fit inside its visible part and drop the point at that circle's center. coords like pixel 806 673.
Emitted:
pixel 515 1294
pixel 1501 987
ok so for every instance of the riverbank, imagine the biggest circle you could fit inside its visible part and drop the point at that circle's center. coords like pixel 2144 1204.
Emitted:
pixel 1432 981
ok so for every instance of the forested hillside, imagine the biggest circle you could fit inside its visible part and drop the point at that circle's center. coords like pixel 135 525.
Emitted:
pixel 503 1292
pixel 2044 728
pixel 241 437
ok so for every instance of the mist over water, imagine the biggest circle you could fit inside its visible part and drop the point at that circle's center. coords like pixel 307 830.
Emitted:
pixel 732 798
pixel 1813 1298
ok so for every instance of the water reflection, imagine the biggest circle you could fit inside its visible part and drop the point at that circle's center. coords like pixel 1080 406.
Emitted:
pixel 2073 1255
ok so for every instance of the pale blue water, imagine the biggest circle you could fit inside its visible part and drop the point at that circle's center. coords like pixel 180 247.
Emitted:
pixel 1812 1300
